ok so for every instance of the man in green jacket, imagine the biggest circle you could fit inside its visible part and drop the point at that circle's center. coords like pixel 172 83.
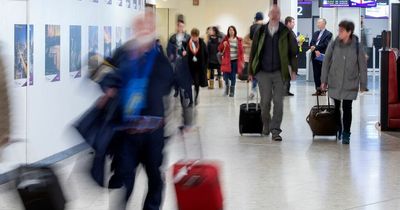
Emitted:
pixel 271 55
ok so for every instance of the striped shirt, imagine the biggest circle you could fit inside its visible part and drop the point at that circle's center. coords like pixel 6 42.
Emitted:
pixel 234 48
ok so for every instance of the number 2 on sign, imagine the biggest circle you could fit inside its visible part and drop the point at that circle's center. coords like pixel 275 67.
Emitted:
pixel 299 11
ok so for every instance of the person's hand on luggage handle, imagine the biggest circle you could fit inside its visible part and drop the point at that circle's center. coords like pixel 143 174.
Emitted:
pixel 250 78
pixel 317 53
pixel 324 87
pixel 109 93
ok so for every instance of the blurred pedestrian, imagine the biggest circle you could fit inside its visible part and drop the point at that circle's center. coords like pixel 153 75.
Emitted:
pixel 257 23
pixel 141 81
pixel 177 54
pixel 271 55
pixel 290 23
pixel 213 64
pixel 232 60
pixel 4 107
pixel 198 60
pixel 344 72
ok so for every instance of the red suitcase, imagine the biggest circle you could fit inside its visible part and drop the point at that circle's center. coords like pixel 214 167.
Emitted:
pixel 197 185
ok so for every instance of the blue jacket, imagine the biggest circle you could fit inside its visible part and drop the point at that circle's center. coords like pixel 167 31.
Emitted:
pixel 161 81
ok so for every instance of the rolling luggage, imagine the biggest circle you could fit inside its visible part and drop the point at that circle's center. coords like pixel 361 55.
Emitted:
pixel 322 120
pixel 250 121
pixel 197 184
pixel 39 189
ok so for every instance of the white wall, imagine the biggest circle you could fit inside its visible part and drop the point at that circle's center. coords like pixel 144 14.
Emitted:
pixel 335 15
pixel 42 113
pixel 222 13
pixel 288 8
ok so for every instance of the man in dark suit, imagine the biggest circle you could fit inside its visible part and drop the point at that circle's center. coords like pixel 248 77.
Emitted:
pixel 318 45
pixel 290 23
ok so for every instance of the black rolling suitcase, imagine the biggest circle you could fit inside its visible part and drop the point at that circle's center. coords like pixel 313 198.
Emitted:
pixel 39 189
pixel 250 121
pixel 322 120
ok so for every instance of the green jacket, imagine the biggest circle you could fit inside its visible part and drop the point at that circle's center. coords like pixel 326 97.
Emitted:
pixel 287 51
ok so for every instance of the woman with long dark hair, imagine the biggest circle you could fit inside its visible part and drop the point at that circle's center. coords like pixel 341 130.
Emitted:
pixel 213 64
pixel 232 60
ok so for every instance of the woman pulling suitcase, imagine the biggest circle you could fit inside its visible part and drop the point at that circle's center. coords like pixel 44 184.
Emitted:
pixel 344 72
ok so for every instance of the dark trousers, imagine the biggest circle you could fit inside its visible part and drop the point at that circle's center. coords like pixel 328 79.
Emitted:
pixel 317 68
pixel 344 124
pixel 287 86
pixel 213 67
pixel 145 149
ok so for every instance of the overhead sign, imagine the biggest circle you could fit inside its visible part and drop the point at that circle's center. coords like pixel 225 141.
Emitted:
pixel 304 9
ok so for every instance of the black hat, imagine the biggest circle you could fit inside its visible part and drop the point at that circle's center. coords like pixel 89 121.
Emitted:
pixel 259 16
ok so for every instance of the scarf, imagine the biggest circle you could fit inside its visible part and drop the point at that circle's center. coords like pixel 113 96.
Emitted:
pixel 194 47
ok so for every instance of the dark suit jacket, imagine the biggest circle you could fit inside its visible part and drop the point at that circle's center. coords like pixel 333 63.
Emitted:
pixel 323 43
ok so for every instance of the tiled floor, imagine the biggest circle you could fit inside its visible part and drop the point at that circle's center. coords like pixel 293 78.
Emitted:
pixel 257 173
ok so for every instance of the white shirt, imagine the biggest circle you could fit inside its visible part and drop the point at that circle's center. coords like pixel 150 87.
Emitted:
pixel 272 29
pixel 320 35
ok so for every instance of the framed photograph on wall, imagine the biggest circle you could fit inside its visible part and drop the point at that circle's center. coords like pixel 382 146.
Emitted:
pixel 75 51
pixel 52 53
pixel 107 41
pixel 93 47
pixel 23 54
pixel 118 37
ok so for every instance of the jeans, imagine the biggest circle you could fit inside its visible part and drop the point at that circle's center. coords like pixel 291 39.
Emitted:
pixel 344 124
pixel 232 75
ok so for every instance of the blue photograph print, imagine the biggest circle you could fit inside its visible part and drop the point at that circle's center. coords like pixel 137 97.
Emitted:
pixel 93 47
pixel 75 51
pixel 52 53
pixel 23 54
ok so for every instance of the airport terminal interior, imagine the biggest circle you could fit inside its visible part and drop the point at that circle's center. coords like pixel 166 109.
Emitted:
pixel 50 49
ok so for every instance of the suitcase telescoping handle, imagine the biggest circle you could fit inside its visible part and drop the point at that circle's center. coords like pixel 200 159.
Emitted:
pixel 318 105
pixel 248 96
pixel 196 129
pixel 185 170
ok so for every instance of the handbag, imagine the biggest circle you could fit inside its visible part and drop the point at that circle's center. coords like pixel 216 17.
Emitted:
pixel 220 56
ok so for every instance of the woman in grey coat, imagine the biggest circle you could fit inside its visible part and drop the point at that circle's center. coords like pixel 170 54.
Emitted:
pixel 344 71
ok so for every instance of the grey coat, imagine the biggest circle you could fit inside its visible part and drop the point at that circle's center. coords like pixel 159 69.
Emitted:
pixel 343 71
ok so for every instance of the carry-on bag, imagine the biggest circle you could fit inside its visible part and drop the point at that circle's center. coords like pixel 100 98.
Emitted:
pixel 322 119
pixel 197 183
pixel 250 121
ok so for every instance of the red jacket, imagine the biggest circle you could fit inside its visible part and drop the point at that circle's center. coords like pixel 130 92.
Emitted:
pixel 226 58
